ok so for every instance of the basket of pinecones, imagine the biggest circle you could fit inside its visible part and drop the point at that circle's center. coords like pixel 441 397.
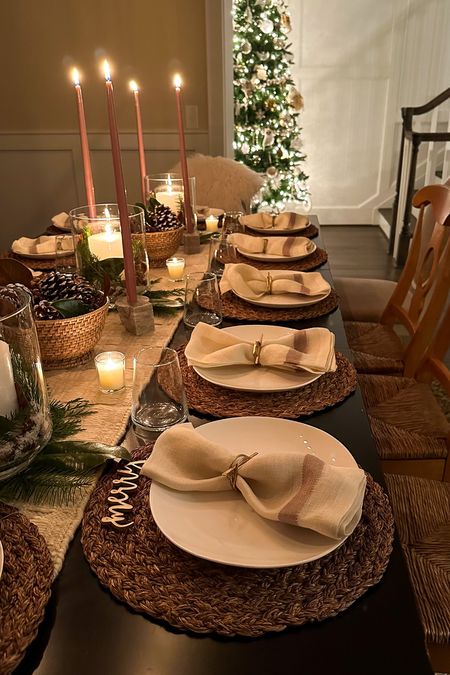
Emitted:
pixel 70 315
pixel 163 233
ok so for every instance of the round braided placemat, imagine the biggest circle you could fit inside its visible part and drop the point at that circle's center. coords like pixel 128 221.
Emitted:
pixel 143 569
pixel 43 264
pixel 311 231
pixel 24 585
pixel 235 308
pixel 316 259
pixel 210 399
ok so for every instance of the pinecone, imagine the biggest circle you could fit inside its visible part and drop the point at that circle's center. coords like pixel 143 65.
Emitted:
pixel 44 311
pixel 162 219
pixel 58 286
pixel 9 293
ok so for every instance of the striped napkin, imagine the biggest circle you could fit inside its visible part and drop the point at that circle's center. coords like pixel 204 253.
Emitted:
pixel 282 246
pixel 311 349
pixel 286 486
pixel 251 283
pixel 283 221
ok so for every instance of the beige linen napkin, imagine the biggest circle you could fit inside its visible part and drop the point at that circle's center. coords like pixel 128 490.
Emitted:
pixel 44 244
pixel 282 246
pixel 251 283
pixel 311 349
pixel 62 221
pixel 283 221
pixel 286 486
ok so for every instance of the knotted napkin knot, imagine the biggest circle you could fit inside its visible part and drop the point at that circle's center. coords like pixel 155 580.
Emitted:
pixel 233 471
pixel 265 243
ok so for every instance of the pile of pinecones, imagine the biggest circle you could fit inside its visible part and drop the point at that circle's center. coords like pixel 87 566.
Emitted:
pixel 161 219
pixel 55 286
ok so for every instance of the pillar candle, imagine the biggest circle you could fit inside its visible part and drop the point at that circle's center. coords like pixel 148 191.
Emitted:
pixel 88 180
pixel 183 162
pixel 140 135
pixel 130 275
pixel 8 396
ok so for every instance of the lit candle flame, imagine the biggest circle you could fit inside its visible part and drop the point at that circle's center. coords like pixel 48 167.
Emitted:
pixel 75 76
pixel 133 85
pixel 107 213
pixel 106 70
pixel 177 81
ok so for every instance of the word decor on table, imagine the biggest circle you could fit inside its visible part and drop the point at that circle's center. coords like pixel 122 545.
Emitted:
pixel 119 495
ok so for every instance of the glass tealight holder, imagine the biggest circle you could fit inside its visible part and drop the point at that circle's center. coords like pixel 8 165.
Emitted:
pixel 98 246
pixel 168 189
pixel 175 267
pixel 111 371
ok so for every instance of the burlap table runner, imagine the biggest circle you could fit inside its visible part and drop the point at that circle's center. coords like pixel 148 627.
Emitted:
pixel 58 524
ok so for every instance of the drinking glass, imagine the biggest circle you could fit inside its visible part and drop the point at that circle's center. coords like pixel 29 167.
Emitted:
pixel 221 252
pixel 64 263
pixel 159 400
pixel 231 223
pixel 202 299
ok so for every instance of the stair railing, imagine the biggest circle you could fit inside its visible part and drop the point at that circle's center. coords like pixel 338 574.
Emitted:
pixel 406 175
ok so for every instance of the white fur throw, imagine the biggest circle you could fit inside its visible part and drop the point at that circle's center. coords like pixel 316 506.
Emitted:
pixel 222 183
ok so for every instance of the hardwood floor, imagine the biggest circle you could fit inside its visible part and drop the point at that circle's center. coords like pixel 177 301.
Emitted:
pixel 359 251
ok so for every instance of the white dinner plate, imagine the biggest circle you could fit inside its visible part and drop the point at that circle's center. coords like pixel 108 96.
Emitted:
pixel 261 378
pixel 270 257
pixel 1 559
pixel 44 256
pixel 220 526
pixel 277 230
pixel 285 300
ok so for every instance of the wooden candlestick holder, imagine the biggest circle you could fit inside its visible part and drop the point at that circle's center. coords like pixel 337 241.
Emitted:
pixel 138 318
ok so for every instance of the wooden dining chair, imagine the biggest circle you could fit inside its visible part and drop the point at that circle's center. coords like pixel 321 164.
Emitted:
pixel 422 516
pixel 376 346
pixel 410 430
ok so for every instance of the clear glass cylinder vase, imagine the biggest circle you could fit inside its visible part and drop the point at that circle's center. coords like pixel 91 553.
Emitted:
pixel 168 189
pixel 98 246
pixel 25 422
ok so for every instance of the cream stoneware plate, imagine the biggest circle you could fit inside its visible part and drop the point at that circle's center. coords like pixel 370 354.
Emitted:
pixel 261 378
pixel 220 526
pixel 285 300
pixel 277 230
pixel 267 257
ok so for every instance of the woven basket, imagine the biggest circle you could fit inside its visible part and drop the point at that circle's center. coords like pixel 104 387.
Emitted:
pixel 162 245
pixel 70 342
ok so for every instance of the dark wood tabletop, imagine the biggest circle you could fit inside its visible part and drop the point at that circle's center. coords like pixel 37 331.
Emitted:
pixel 87 632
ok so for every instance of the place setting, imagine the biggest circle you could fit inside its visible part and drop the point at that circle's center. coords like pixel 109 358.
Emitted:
pixel 44 252
pixel 279 224
pixel 293 252
pixel 264 370
pixel 208 523
pixel 249 294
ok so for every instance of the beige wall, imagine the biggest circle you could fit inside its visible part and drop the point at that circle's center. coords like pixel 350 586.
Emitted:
pixel 144 39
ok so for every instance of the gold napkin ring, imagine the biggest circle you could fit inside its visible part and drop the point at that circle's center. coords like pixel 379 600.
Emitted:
pixel 269 282
pixel 256 351
pixel 273 219
pixel 265 241
pixel 233 470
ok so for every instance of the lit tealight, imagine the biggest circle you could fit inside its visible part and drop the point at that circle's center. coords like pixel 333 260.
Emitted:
pixel 212 224
pixel 111 371
pixel 175 267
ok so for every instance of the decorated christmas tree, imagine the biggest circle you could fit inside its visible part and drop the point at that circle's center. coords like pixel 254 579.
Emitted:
pixel 267 103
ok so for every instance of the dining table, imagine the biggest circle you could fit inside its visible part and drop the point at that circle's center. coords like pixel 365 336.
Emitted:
pixel 87 631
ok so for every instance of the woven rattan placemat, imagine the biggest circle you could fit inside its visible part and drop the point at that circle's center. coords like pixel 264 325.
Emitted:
pixel 210 399
pixel 24 585
pixel 144 570
pixel 43 264
pixel 316 259
pixel 311 231
pixel 235 308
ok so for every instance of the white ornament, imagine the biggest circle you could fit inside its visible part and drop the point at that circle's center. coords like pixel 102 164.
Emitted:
pixel 272 171
pixel 261 73
pixel 266 26
pixel 248 14
pixel 263 56
pixel 245 148
pixel 246 47
pixel 268 138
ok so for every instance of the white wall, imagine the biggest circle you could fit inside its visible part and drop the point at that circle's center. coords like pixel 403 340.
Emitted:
pixel 357 62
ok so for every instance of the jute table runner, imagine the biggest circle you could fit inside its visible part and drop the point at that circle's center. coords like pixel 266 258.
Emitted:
pixel 58 524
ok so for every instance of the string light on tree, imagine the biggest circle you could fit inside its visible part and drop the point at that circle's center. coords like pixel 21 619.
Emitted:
pixel 267 102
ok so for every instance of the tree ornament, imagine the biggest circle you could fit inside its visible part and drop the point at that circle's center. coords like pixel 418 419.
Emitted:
pixel 263 56
pixel 266 25
pixel 246 47
pixel 259 115
pixel 245 148
pixel 270 103
pixel 248 14
pixel 295 99
pixel 247 87
pixel 272 171
pixel 261 73
pixel 285 23
pixel 268 138
pixel 278 43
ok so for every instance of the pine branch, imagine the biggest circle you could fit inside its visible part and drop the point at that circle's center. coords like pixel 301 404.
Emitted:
pixel 67 417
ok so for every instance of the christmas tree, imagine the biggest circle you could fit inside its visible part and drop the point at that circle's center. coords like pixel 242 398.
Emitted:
pixel 267 103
